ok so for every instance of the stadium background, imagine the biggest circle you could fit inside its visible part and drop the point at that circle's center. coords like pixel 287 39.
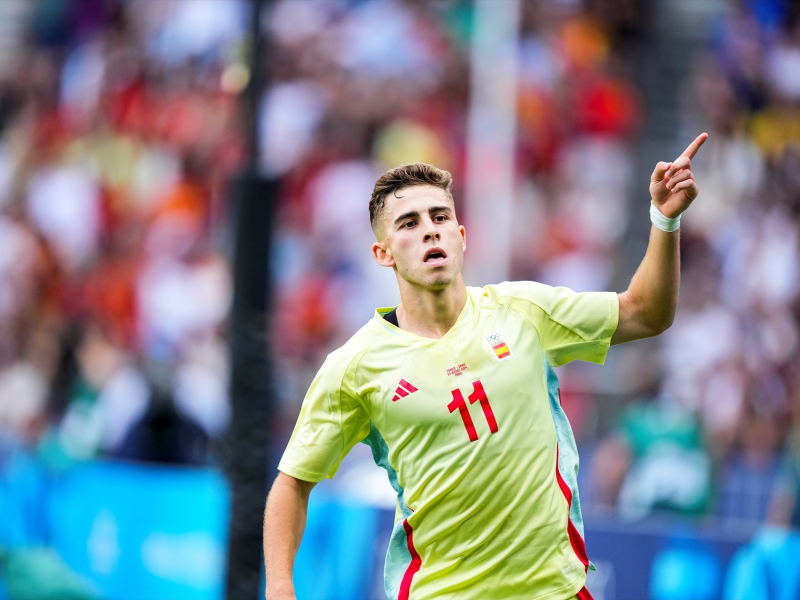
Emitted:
pixel 122 125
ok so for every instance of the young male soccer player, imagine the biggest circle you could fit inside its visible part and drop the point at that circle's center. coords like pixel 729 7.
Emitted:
pixel 454 390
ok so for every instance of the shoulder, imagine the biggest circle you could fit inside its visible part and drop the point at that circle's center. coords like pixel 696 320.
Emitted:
pixel 534 292
pixel 347 356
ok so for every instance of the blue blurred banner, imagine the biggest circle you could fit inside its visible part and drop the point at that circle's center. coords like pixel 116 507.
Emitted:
pixel 143 532
pixel 341 557
pixel 138 532
pixel 680 561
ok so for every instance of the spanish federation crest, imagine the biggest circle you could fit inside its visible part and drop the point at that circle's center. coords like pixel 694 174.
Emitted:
pixel 498 345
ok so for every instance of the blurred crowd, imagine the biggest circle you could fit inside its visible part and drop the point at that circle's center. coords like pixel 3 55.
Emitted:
pixel 120 128
pixel 118 134
pixel 722 435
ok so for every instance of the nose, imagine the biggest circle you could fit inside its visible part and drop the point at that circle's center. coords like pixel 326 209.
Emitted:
pixel 430 232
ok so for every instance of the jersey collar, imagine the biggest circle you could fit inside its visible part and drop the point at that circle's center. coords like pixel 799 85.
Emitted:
pixel 466 313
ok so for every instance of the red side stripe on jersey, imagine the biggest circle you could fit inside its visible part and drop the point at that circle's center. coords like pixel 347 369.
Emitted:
pixel 401 392
pixel 578 545
pixel 584 594
pixel 408 386
pixel 575 539
pixel 563 484
pixel 416 563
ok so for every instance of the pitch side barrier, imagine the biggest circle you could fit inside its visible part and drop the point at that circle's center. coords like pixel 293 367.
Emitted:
pixel 148 532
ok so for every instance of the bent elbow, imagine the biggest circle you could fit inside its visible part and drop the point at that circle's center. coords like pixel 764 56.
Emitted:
pixel 661 326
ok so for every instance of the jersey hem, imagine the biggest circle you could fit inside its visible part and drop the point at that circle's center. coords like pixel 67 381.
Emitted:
pixel 561 355
pixel 301 474
pixel 609 319
pixel 571 590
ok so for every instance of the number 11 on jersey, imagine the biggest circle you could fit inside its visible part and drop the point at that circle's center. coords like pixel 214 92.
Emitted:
pixel 479 395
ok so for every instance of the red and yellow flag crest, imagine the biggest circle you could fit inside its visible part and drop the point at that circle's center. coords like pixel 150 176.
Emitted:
pixel 498 346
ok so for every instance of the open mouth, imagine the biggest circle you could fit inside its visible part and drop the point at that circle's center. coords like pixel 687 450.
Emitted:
pixel 435 256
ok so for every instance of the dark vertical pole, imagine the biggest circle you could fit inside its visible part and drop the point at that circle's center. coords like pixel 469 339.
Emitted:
pixel 253 198
pixel 255 87
pixel 251 385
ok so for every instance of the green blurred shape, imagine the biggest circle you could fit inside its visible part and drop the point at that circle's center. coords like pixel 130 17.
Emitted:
pixel 41 574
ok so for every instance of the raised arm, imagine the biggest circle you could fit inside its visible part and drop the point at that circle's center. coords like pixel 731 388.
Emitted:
pixel 284 523
pixel 647 307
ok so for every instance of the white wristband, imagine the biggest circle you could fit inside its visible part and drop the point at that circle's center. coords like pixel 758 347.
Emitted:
pixel 662 222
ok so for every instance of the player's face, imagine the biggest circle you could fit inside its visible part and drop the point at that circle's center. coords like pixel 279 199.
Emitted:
pixel 421 237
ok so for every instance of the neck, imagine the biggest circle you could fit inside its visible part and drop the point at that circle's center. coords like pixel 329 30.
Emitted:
pixel 431 313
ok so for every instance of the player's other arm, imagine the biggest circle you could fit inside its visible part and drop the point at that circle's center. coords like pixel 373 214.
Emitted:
pixel 284 523
pixel 647 307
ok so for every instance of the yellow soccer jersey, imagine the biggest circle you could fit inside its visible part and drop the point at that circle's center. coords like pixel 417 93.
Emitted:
pixel 471 432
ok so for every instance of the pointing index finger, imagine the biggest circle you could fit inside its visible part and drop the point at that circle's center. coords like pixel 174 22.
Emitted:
pixel 695 145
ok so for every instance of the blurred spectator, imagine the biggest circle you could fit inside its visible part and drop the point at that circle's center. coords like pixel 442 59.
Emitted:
pixel 784 508
pixel 664 464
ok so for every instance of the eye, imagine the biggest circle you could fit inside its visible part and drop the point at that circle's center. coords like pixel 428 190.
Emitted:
pixel 439 218
pixel 408 224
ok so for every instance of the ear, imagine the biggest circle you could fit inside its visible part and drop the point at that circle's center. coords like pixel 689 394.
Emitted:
pixel 383 255
pixel 463 238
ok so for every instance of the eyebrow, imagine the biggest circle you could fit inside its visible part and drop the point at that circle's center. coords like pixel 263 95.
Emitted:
pixel 413 213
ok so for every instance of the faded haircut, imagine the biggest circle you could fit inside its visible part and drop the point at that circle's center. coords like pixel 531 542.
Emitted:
pixel 401 177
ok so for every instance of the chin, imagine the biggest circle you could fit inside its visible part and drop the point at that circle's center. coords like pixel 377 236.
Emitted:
pixel 439 283
pixel 430 281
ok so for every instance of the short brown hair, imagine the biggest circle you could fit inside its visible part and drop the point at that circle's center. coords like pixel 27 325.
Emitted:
pixel 406 176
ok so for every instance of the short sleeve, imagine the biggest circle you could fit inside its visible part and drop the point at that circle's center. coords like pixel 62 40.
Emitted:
pixel 571 326
pixel 332 420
